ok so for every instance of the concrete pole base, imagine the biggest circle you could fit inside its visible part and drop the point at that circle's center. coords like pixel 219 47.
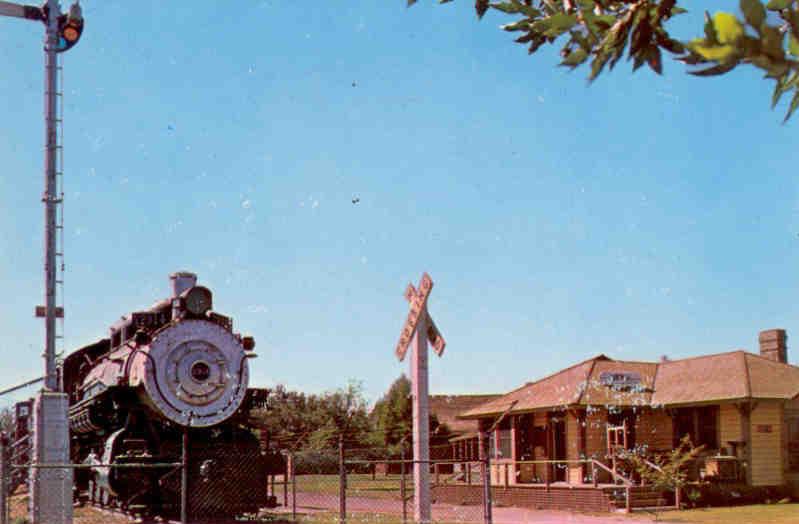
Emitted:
pixel 50 489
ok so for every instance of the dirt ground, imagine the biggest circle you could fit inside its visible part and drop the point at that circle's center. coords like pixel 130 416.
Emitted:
pixel 309 503
pixel 19 509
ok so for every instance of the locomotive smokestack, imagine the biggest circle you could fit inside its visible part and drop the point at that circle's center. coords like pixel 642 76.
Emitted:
pixel 181 281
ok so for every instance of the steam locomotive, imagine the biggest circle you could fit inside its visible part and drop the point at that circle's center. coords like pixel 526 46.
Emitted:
pixel 168 380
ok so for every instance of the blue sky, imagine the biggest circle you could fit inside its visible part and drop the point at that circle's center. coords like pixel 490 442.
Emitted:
pixel 636 217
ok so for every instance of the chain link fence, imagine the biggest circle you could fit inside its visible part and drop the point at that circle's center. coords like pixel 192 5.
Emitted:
pixel 238 480
pixel 345 487
pixel 213 484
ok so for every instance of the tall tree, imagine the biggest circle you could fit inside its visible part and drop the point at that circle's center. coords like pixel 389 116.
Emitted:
pixel 392 418
pixel 765 35
pixel 392 415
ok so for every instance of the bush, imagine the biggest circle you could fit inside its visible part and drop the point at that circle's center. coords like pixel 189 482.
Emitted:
pixel 315 463
pixel 739 494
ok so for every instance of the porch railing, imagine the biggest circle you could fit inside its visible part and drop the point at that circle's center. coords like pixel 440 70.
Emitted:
pixel 507 470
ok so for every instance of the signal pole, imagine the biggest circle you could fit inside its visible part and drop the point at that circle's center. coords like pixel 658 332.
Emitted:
pixel 50 198
pixel 50 489
pixel 419 328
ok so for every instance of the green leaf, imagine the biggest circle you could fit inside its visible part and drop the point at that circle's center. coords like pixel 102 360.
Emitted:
pixel 710 30
pixel 559 23
pixel 718 53
pixel 597 64
pixel 778 5
pixel 575 58
pixel 793 106
pixel 521 25
pixel 777 94
pixel 654 59
pixel 719 69
pixel 728 28
pixel 669 44
pixel 481 6
pixel 754 12
pixel 514 6
pixel 793 45
pixel 772 42
pixel 783 85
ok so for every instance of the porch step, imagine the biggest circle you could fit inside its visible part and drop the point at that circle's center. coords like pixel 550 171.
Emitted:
pixel 641 497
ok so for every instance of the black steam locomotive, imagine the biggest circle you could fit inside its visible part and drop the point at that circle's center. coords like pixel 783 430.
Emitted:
pixel 172 372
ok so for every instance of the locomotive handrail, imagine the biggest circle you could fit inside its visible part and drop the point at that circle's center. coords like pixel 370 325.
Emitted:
pixel 20 441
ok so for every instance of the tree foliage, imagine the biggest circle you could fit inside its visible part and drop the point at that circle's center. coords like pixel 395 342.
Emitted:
pixel 294 420
pixel 392 419
pixel 669 473
pixel 6 421
pixel 392 415
pixel 599 33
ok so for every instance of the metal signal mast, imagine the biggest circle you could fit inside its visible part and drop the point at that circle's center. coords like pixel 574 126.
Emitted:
pixel 51 490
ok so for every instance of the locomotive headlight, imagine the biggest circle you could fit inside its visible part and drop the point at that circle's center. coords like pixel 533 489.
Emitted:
pixel 197 300
pixel 200 371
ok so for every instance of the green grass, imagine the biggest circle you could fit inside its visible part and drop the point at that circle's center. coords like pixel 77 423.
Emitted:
pixel 357 485
pixel 755 514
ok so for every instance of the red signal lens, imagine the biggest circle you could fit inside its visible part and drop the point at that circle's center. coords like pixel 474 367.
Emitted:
pixel 71 34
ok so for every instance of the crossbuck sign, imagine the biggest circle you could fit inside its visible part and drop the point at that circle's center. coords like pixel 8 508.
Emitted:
pixel 418 301
pixel 419 328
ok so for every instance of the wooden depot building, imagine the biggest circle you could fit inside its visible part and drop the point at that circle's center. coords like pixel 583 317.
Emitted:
pixel 564 431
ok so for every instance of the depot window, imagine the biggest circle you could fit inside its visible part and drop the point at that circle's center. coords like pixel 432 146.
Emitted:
pixel 699 423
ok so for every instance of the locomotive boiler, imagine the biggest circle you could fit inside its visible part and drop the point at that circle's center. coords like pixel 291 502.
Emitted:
pixel 172 372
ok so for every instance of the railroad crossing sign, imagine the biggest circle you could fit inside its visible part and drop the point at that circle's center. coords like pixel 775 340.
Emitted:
pixel 419 328
pixel 418 301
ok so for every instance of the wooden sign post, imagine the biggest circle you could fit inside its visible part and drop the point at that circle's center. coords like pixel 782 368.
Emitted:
pixel 418 329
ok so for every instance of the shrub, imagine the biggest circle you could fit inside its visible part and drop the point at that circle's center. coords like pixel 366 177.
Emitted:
pixel 315 463
pixel 740 494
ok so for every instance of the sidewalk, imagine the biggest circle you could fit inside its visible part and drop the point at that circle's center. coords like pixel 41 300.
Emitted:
pixel 319 502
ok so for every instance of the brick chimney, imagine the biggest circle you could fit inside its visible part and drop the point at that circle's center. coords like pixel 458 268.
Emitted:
pixel 773 345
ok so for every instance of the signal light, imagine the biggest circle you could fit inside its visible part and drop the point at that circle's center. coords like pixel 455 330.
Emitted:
pixel 248 343
pixel 70 27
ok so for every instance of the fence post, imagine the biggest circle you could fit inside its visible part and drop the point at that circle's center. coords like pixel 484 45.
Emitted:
pixel 184 479
pixel 292 469
pixel 342 482
pixel 286 484
pixel 627 502
pixel 593 473
pixel 485 474
pixel 402 484
pixel 3 484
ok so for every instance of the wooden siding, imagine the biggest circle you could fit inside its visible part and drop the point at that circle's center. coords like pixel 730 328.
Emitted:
pixel 791 477
pixel 573 445
pixel 595 435
pixel 729 425
pixel 654 429
pixel 766 434
pixel 540 420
